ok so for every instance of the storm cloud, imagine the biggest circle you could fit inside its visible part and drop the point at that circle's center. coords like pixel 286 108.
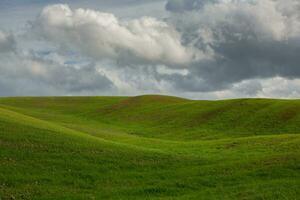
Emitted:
pixel 247 39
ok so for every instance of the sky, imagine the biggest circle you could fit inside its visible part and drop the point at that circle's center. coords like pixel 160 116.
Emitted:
pixel 198 49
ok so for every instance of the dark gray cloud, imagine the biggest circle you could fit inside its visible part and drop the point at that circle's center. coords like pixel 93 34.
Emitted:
pixel 68 78
pixel 7 42
pixel 186 5
pixel 245 45
pixel 31 75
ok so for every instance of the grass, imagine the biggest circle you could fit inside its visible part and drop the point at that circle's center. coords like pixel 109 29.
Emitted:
pixel 149 147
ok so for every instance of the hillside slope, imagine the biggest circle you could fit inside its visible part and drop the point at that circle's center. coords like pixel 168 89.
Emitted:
pixel 149 147
pixel 168 117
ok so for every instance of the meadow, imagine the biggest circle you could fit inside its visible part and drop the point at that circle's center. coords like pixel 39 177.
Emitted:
pixel 149 147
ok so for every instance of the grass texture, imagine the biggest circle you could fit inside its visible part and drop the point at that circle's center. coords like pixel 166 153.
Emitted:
pixel 149 147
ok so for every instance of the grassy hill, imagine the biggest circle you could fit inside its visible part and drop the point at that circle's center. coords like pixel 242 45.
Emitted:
pixel 149 147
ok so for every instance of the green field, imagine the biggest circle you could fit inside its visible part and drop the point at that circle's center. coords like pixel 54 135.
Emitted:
pixel 149 147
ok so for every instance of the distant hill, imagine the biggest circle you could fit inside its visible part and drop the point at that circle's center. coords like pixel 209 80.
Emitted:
pixel 169 117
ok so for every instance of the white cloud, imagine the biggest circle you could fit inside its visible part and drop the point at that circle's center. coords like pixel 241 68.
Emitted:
pixel 102 36
pixel 278 87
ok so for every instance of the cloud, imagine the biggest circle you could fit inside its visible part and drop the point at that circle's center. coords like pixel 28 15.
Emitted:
pixel 186 5
pixel 205 49
pixel 280 88
pixel 25 73
pixel 103 36
pixel 276 87
pixel 248 40
pixel 67 78
pixel 7 42
pixel 217 43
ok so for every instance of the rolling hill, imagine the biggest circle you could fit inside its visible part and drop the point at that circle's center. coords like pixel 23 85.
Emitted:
pixel 149 147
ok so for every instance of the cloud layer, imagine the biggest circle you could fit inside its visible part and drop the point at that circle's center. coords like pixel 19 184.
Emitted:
pixel 206 49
